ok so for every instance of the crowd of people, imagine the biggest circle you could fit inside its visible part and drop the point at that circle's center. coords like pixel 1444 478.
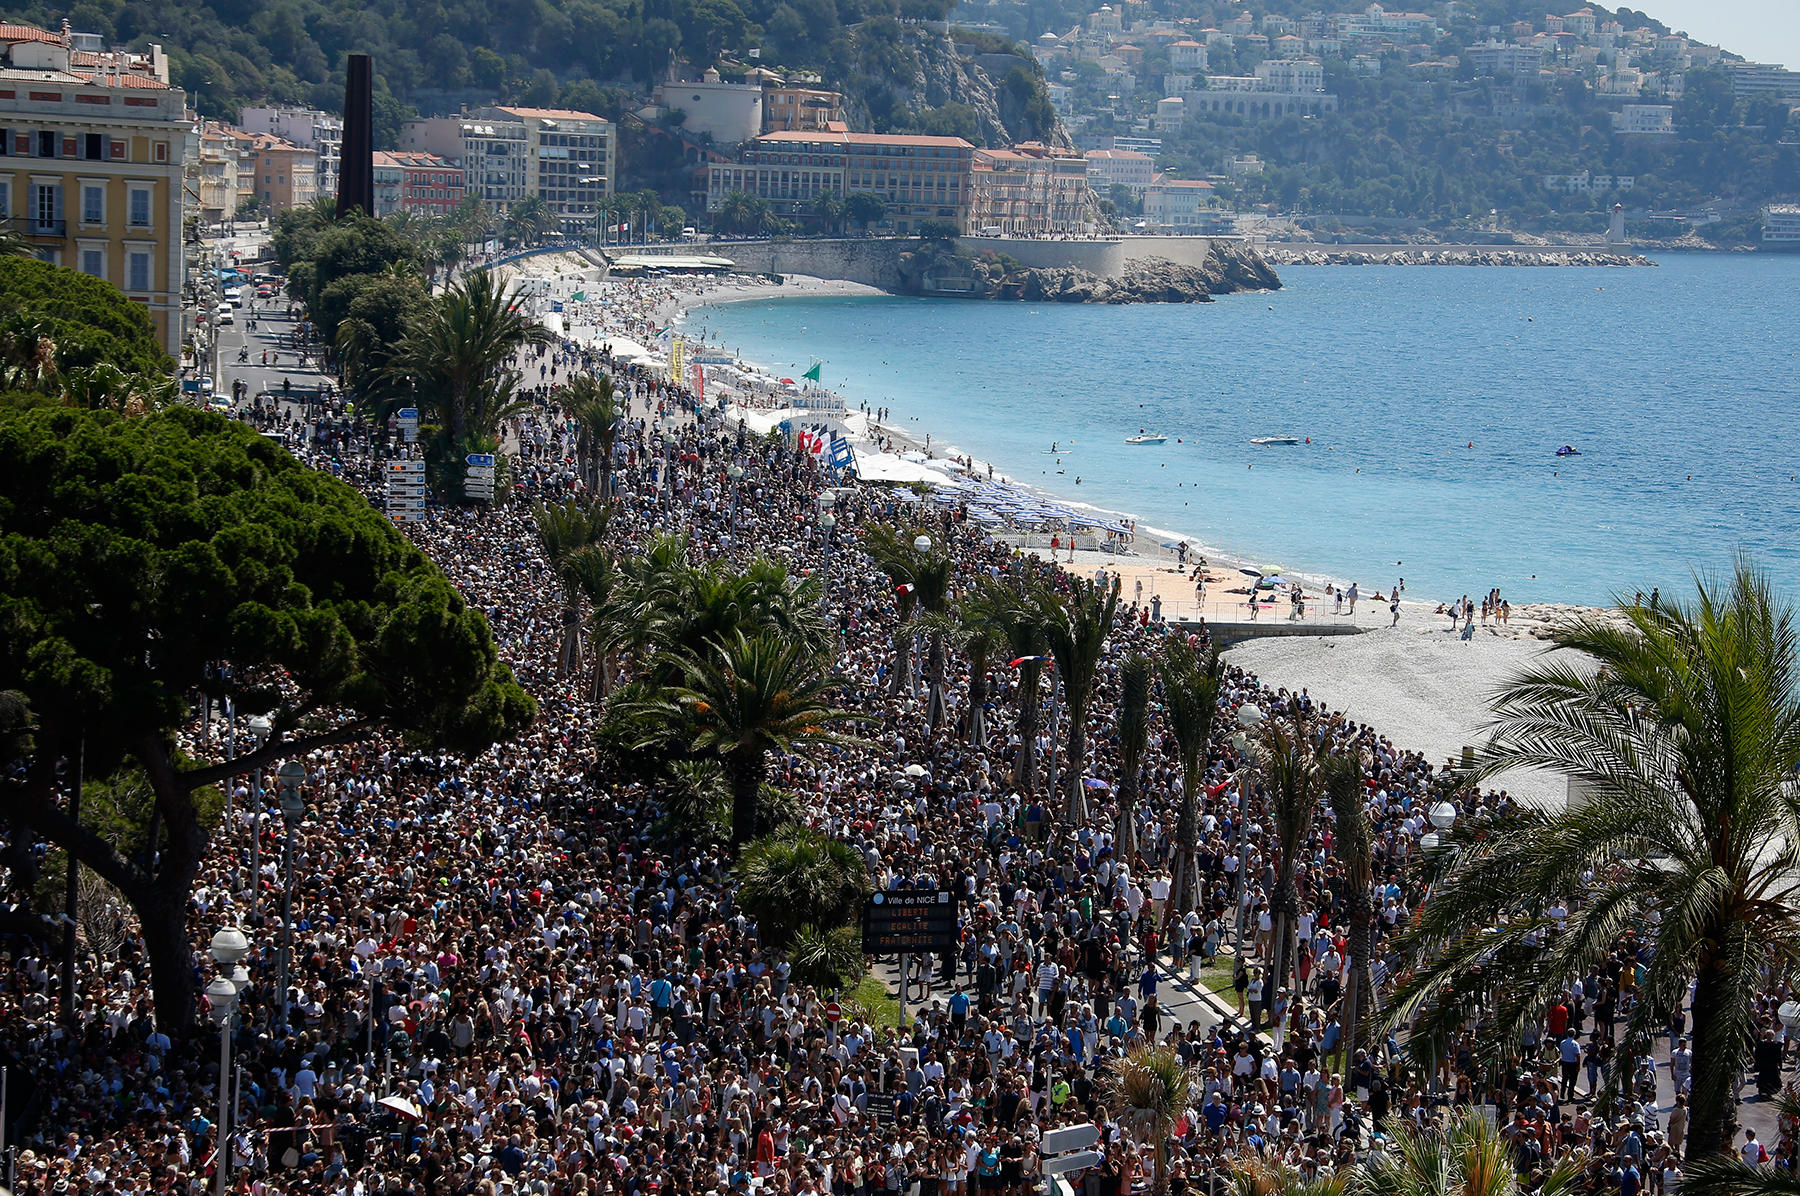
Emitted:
pixel 503 979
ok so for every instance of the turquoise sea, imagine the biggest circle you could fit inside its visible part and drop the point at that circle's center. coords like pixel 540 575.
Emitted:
pixel 1435 398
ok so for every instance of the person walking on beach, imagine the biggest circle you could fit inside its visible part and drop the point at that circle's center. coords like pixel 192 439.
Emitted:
pixel 1394 607
pixel 1352 597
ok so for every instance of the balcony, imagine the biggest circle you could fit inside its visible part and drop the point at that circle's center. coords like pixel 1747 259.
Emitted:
pixel 31 226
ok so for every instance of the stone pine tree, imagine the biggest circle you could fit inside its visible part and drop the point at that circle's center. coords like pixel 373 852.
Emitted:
pixel 148 565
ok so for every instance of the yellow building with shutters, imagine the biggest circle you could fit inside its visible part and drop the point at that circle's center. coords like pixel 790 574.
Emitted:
pixel 94 146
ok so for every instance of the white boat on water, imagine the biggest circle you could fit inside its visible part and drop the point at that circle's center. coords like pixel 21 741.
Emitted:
pixel 1268 440
pixel 1146 438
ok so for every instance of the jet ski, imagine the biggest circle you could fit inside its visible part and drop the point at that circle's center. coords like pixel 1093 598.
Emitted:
pixel 1568 450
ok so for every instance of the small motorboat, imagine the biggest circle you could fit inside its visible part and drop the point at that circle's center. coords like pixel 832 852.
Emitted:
pixel 1568 450
pixel 1268 440
pixel 1146 438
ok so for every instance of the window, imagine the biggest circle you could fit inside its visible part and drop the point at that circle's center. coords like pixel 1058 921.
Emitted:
pixel 46 144
pixel 93 261
pixel 5 200
pixel 93 203
pixel 138 275
pixel 139 216
pixel 46 208
pixel 5 141
pixel 94 147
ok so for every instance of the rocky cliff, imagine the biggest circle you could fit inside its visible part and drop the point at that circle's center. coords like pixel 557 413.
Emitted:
pixel 936 270
pixel 923 71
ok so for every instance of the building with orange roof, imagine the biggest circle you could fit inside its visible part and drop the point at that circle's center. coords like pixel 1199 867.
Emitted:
pixel 919 178
pixel 94 150
pixel 1030 190
pixel 415 182
pixel 507 153
pixel 283 175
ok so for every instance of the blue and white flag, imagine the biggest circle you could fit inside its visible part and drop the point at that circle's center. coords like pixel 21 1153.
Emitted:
pixel 840 452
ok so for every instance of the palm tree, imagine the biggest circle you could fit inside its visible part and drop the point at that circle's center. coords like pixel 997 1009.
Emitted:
pixel 1728 1175
pixel 1077 626
pixel 530 221
pixel 1018 616
pixel 565 529
pixel 1148 1090
pixel 14 243
pixel 594 571
pixel 747 697
pixel 590 402
pixel 458 352
pixel 28 357
pixel 921 578
pixel 1261 1175
pixel 1295 776
pixel 797 877
pixel 1467 1157
pixel 1191 682
pixel 1350 824
pixel 980 634
pixel 1685 732
pixel 1135 676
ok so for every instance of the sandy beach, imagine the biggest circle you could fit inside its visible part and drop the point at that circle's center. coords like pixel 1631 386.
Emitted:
pixel 1418 683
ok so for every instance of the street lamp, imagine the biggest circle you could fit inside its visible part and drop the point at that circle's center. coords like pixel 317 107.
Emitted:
pixel 736 474
pixel 1789 1015
pixel 293 810
pixel 1442 815
pixel 229 946
pixel 260 727
pixel 922 544
pixel 1250 719
pixel 827 523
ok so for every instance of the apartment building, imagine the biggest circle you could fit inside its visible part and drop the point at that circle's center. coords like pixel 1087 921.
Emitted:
pixel 1107 167
pixel 569 159
pixel 320 132
pixel 801 109
pixel 281 174
pixel 416 182
pixel 1188 206
pixel 921 178
pixel 1028 190
pixel 218 174
pixel 95 148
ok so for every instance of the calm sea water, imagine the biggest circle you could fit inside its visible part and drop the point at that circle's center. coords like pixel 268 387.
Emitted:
pixel 1435 399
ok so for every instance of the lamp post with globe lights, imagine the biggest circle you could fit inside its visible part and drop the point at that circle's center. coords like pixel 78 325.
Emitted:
pixel 229 946
pixel 293 811
pixel 827 524
pixel 736 473
pixel 260 727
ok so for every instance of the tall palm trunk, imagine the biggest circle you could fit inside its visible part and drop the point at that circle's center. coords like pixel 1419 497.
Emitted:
pixel 901 679
pixel 935 670
pixel 1130 782
pixel 1359 911
pixel 568 658
pixel 747 768
pixel 978 692
pixel 1184 886
pixel 1025 769
pixel 1286 911
pixel 1076 805
pixel 1718 1055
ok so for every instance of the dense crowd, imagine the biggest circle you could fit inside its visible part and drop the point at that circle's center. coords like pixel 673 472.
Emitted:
pixel 572 1004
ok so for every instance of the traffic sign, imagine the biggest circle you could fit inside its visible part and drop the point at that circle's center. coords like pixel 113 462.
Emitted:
pixel 405 489
pixel 405 504
pixel 1073 1137
pixel 881 1107
pixel 411 413
pixel 834 1012
pixel 407 516
pixel 902 921
pixel 480 459
pixel 406 467
pixel 1079 1161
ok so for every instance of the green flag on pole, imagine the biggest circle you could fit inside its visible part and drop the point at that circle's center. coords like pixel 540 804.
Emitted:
pixel 578 296
pixel 812 375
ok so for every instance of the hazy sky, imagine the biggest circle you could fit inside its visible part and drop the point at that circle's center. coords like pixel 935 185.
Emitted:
pixel 1760 30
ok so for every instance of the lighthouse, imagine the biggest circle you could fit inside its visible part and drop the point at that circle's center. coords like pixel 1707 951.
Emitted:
pixel 1615 232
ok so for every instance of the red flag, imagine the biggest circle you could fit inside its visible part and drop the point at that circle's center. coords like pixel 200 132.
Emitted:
pixel 905 588
pixel 1013 664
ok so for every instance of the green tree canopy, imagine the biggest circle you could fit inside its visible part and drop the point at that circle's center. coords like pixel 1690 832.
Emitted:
pixel 148 562
pixel 88 320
